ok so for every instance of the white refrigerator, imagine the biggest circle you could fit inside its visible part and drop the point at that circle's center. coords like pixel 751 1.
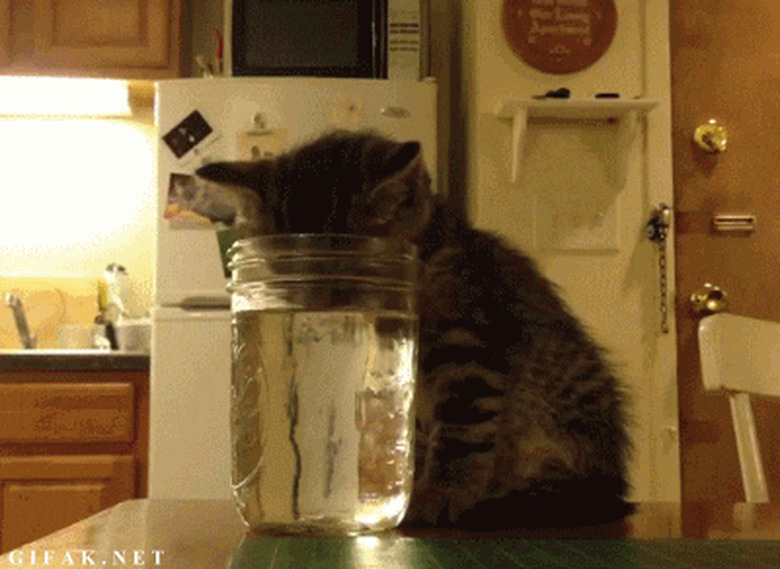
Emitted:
pixel 206 120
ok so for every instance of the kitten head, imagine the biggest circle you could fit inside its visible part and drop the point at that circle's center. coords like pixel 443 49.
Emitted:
pixel 344 182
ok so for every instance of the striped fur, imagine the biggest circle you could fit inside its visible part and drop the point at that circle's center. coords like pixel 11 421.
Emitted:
pixel 519 419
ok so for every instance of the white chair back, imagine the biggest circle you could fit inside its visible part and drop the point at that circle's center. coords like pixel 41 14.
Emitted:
pixel 741 356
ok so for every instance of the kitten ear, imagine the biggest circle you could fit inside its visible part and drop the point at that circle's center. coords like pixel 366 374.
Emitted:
pixel 400 203
pixel 230 173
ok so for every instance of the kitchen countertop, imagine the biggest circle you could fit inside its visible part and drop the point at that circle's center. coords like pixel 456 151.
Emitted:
pixel 71 360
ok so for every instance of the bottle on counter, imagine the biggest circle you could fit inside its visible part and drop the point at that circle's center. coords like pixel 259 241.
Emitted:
pixel 125 330
pixel 112 301
pixel 117 288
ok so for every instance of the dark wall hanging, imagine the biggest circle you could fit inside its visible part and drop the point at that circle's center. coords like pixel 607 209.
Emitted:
pixel 559 36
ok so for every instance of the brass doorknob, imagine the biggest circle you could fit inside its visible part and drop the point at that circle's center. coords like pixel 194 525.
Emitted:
pixel 709 299
pixel 711 137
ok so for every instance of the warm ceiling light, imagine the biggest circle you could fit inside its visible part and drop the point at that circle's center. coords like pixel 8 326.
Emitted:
pixel 63 96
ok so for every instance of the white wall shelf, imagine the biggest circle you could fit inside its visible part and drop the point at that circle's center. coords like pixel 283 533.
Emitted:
pixel 624 111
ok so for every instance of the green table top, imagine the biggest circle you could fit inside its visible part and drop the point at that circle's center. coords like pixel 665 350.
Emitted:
pixel 503 553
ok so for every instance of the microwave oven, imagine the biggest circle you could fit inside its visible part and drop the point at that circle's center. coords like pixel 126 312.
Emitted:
pixel 335 38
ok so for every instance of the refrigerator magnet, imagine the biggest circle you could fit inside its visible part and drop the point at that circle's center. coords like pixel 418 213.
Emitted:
pixel 188 134
pixel 261 144
pixel 194 204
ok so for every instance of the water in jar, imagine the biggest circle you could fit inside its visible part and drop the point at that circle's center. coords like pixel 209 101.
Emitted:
pixel 322 419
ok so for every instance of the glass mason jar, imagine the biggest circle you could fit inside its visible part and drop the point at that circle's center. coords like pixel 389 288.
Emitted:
pixel 324 365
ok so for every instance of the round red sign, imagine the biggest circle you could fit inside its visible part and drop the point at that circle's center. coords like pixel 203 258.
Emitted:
pixel 559 36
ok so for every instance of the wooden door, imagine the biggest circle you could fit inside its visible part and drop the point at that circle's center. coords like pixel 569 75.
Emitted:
pixel 5 30
pixel 726 66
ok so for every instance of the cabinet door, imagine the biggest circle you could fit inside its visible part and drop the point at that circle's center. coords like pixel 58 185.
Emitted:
pixel 41 494
pixel 51 412
pixel 104 35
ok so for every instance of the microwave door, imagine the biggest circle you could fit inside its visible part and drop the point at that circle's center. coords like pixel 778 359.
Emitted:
pixel 337 38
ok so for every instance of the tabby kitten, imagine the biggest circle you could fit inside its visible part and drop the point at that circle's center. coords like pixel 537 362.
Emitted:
pixel 520 423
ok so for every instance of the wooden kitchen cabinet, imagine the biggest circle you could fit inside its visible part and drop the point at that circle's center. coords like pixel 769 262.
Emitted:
pixel 131 39
pixel 72 443
pixel 42 494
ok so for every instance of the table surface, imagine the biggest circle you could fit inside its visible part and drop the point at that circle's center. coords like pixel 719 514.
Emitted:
pixel 191 534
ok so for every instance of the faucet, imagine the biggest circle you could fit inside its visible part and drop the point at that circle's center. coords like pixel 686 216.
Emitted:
pixel 28 340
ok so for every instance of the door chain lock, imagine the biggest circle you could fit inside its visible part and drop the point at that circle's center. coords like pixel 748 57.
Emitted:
pixel 657 230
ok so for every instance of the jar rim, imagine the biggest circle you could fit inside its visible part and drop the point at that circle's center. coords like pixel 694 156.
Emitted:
pixel 281 245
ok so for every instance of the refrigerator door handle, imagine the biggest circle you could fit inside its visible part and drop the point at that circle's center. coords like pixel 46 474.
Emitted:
pixel 200 303
pixel 162 314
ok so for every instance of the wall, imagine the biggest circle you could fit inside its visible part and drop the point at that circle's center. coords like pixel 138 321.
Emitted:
pixel 77 195
pixel 584 227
